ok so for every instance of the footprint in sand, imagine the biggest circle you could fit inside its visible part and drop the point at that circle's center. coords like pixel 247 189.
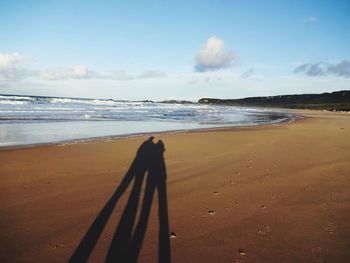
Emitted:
pixel 172 235
pixel 57 246
pixel 264 231
pixel 317 255
pixel 330 228
pixel 211 212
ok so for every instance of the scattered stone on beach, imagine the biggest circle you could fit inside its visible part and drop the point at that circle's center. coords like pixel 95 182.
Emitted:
pixel 211 212
pixel 215 194
pixel 242 252
pixel 263 206
pixel 172 235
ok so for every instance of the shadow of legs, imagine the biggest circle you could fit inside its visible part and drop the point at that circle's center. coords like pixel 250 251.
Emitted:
pixel 156 180
pixel 141 227
pixel 126 245
pixel 87 244
pixel 164 242
pixel 120 245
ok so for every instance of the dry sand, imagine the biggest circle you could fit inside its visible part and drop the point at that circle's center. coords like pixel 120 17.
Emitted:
pixel 278 193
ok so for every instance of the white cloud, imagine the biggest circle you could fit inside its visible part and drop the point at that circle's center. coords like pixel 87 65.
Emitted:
pixel 74 72
pixel 123 75
pixel 81 72
pixel 12 67
pixel 10 60
pixel 152 74
pixel 187 85
pixel 321 68
pixel 119 75
pixel 212 56
pixel 155 85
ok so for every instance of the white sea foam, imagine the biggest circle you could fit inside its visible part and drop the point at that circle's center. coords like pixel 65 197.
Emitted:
pixel 33 119
pixel 13 102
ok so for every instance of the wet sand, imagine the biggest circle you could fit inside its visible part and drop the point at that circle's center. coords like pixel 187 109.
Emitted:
pixel 277 193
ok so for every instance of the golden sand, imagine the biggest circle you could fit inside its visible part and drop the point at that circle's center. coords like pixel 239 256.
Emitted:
pixel 277 193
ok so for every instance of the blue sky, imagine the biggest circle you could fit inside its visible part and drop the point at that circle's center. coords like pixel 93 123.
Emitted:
pixel 173 49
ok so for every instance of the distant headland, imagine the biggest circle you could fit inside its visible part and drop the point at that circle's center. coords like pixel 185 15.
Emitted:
pixel 334 101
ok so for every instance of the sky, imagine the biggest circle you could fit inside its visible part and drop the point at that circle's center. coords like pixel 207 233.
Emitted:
pixel 160 50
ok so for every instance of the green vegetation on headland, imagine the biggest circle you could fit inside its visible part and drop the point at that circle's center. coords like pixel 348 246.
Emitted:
pixel 334 101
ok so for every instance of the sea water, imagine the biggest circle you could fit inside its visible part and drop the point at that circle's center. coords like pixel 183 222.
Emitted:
pixel 36 119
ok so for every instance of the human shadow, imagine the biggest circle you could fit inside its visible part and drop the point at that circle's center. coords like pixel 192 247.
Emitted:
pixel 148 166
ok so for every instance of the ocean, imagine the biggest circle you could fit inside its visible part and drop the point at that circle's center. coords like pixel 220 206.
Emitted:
pixel 36 119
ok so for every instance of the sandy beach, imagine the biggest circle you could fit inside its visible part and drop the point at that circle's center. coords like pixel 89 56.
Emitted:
pixel 274 193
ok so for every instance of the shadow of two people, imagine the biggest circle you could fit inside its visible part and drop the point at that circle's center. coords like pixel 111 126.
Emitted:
pixel 148 166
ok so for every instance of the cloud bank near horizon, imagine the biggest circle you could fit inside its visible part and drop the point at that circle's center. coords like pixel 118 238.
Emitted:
pixel 19 76
pixel 13 67
pixel 341 69
pixel 212 56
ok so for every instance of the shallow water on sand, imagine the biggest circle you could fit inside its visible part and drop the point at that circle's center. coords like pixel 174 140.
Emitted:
pixel 32 120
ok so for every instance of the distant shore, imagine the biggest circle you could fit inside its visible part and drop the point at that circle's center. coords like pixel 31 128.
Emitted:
pixel 271 193
pixel 338 101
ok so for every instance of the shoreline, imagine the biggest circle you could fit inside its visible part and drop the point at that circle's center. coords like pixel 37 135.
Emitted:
pixel 270 193
pixel 294 118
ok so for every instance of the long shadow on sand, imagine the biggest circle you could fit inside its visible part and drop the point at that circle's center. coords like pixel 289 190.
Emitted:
pixel 148 166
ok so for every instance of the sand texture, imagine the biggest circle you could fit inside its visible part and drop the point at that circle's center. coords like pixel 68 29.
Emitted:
pixel 278 193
